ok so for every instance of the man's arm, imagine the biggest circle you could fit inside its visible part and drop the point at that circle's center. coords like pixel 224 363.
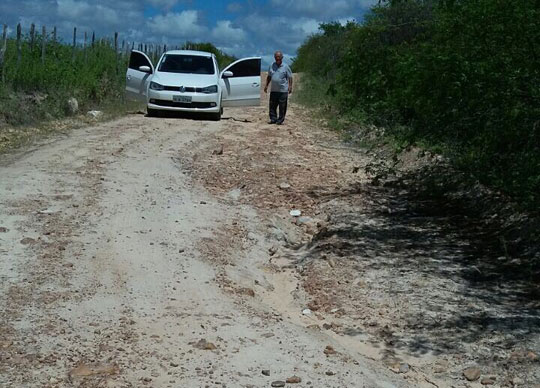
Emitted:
pixel 289 71
pixel 290 84
pixel 268 79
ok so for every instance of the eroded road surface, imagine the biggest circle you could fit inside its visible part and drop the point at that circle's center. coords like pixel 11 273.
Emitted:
pixel 119 268
pixel 160 252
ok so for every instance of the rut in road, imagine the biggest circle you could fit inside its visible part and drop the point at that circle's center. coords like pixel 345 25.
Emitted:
pixel 118 269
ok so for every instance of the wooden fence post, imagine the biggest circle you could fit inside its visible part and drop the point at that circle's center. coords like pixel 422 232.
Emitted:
pixel 19 51
pixel 54 34
pixel 84 47
pixel 32 36
pixel 74 43
pixel 116 50
pixel 43 43
pixel 3 54
pixel 93 38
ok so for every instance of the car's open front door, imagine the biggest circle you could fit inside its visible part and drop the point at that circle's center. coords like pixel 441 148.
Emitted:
pixel 138 74
pixel 243 88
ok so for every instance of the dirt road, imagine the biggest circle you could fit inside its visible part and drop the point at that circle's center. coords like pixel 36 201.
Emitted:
pixel 160 252
pixel 120 268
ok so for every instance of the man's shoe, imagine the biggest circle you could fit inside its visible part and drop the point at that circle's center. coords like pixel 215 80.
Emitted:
pixel 279 122
pixel 272 122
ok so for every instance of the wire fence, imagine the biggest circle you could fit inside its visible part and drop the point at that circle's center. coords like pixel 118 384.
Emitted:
pixel 38 47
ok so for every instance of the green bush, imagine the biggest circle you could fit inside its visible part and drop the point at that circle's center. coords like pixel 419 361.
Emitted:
pixel 94 76
pixel 462 76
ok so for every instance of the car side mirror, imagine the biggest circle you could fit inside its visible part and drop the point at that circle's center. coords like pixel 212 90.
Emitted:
pixel 146 69
pixel 227 74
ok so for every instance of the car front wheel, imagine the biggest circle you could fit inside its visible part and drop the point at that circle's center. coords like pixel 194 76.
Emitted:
pixel 152 112
pixel 215 116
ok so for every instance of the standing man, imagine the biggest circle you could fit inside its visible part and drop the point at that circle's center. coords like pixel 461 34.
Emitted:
pixel 281 79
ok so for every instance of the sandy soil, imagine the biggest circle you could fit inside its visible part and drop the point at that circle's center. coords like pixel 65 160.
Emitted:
pixel 119 269
pixel 160 252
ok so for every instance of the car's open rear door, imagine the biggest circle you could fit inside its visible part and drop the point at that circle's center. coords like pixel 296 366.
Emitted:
pixel 137 80
pixel 244 87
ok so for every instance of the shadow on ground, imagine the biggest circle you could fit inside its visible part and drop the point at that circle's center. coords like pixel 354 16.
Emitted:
pixel 458 267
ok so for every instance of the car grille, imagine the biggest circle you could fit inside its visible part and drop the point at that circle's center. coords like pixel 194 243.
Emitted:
pixel 186 89
pixel 196 105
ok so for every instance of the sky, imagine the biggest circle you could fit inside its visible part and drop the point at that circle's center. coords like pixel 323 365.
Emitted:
pixel 242 28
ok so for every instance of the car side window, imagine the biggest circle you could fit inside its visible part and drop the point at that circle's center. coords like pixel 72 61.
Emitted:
pixel 247 68
pixel 137 60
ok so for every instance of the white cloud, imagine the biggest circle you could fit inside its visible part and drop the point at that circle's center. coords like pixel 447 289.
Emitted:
pixel 308 26
pixel 224 31
pixel 184 25
pixel 78 11
pixel 70 9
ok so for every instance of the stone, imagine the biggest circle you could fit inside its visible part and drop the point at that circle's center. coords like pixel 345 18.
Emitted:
pixel 304 220
pixel 174 364
pixel 518 381
pixel 252 236
pixel 94 114
pixel 218 151
pixel 273 250
pixel 329 350
pixel 488 380
pixel 28 241
pixel 472 373
pixel 266 372
pixel 84 370
pixel 293 380
pixel 330 373
pixel 284 186
pixel 403 368
pixel 306 312
pixel 246 291
pixel 278 383
pixel 72 106
pixel 204 345
pixel 295 213
pixel 3 230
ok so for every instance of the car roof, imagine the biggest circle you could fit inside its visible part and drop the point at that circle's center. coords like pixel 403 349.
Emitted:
pixel 189 52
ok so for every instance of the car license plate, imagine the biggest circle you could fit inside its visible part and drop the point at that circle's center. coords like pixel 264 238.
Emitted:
pixel 182 99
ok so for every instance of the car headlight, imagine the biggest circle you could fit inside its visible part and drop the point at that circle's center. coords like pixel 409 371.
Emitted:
pixel 209 89
pixel 156 86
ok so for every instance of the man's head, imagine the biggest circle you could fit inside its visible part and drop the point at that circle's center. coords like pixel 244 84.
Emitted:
pixel 278 56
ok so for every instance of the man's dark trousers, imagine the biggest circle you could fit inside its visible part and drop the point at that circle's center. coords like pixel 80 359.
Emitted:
pixel 278 99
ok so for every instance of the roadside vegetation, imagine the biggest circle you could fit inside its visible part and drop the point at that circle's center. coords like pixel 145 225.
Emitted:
pixel 461 78
pixel 36 88
pixel 37 80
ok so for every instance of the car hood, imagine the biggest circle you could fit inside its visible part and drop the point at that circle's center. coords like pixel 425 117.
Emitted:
pixel 178 79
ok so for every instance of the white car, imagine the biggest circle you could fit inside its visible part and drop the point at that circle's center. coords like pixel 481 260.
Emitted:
pixel 190 81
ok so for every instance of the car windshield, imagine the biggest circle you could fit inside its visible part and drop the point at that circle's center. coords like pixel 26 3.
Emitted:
pixel 194 64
